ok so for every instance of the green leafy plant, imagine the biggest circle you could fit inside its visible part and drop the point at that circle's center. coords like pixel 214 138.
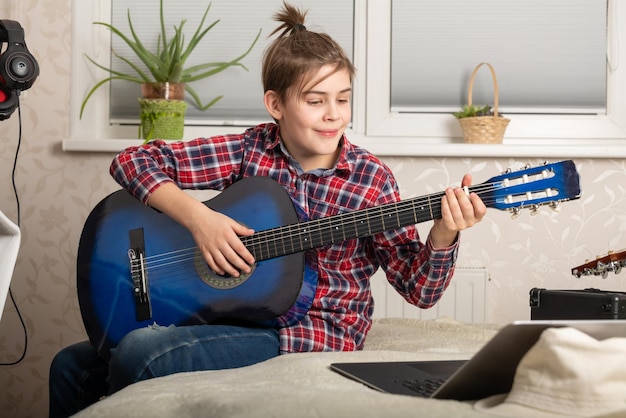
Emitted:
pixel 167 64
pixel 470 111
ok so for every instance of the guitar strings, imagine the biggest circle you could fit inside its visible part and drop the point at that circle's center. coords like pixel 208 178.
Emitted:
pixel 279 233
pixel 259 243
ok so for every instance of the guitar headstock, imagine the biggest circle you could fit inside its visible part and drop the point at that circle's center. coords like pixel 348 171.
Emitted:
pixel 601 266
pixel 532 187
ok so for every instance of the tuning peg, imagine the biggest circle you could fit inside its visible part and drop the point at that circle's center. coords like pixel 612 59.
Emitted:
pixel 514 212
pixel 534 209
pixel 555 206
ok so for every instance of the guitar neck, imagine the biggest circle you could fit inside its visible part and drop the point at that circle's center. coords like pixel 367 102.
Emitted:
pixel 307 235
pixel 512 191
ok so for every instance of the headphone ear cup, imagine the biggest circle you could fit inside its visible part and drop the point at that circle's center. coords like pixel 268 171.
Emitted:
pixel 18 68
pixel 8 103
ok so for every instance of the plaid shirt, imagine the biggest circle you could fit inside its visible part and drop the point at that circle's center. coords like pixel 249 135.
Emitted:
pixel 340 315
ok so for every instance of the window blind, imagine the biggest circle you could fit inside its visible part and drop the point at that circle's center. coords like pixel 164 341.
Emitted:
pixel 549 55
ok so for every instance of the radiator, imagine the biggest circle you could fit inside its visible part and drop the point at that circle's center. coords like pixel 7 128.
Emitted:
pixel 464 300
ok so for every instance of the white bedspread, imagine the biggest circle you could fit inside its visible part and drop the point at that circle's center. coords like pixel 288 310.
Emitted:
pixel 302 385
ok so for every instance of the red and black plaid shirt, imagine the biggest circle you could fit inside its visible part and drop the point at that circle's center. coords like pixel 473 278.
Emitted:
pixel 340 315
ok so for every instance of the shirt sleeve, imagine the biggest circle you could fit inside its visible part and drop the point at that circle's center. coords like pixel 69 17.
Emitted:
pixel 202 163
pixel 416 270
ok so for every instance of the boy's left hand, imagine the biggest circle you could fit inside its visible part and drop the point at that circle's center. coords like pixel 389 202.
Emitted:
pixel 458 212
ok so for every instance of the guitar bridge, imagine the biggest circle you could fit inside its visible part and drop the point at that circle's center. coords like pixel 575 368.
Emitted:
pixel 139 274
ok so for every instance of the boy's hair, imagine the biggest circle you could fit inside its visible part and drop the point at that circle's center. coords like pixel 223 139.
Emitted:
pixel 294 57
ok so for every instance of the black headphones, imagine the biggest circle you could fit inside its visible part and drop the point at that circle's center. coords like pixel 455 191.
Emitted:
pixel 18 68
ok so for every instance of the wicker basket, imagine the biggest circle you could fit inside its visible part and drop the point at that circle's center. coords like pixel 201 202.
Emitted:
pixel 484 129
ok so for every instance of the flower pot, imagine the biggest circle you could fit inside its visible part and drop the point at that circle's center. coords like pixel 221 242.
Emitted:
pixel 168 91
pixel 162 111
pixel 162 119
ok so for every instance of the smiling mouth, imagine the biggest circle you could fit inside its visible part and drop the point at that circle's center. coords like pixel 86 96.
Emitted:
pixel 329 133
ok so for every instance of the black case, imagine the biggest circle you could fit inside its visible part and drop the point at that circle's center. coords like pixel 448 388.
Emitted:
pixel 577 304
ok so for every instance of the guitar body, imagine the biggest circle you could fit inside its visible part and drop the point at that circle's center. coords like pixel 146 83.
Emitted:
pixel 278 292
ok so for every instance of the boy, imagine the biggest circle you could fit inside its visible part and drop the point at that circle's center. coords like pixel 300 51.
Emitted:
pixel 307 81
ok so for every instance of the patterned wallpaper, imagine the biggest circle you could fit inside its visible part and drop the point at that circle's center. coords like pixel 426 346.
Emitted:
pixel 57 189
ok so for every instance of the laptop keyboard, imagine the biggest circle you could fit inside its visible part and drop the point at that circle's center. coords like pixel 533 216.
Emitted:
pixel 422 387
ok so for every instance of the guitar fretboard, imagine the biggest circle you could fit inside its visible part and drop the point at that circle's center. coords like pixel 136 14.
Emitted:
pixel 307 235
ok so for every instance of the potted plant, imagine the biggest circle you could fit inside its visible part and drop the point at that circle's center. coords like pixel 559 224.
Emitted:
pixel 482 124
pixel 167 78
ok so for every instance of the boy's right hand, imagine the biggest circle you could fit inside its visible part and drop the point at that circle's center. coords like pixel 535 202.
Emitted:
pixel 216 235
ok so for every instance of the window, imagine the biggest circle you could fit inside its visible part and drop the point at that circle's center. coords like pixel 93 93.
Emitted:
pixel 560 135
pixel 382 121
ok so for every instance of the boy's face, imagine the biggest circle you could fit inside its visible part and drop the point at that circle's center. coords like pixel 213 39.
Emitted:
pixel 312 122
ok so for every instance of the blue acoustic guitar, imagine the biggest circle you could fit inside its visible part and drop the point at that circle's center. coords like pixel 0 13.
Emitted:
pixel 136 266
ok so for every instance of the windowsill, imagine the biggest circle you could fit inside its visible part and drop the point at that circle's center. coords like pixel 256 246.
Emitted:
pixel 417 147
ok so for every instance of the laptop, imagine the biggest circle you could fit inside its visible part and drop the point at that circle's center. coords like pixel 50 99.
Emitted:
pixel 489 372
pixel 9 247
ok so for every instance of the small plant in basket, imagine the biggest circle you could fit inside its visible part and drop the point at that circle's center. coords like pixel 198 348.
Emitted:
pixel 470 111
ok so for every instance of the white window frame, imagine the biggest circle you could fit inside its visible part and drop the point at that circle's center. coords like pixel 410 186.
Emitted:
pixel 374 125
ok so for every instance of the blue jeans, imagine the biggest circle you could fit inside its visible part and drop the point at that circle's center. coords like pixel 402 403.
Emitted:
pixel 79 377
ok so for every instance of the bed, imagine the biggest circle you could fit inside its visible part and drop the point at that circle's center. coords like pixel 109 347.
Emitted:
pixel 302 385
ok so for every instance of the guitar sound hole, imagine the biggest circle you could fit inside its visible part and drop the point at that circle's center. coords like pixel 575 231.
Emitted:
pixel 217 281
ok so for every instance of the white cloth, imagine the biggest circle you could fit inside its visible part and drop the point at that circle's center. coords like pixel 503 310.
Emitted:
pixel 566 373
